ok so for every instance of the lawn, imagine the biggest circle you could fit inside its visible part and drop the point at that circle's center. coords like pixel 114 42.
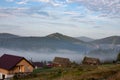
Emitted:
pixel 81 72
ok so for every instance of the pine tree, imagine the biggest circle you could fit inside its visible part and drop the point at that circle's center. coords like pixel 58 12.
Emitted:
pixel 118 57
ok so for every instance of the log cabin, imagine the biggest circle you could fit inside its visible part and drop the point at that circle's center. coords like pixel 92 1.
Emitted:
pixel 91 61
pixel 61 62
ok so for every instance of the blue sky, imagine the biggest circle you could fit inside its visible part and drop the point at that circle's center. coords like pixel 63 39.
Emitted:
pixel 91 18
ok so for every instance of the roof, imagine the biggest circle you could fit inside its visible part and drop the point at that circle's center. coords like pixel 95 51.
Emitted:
pixel 38 64
pixel 61 60
pixel 89 59
pixel 10 61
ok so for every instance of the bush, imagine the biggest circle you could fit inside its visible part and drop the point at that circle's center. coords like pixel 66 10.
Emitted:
pixel 118 57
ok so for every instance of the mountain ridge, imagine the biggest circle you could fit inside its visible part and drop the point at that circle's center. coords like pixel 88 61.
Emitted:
pixel 65 37
pixel 54 42
pixel 108 40
pixel 86 39
pixel 8 35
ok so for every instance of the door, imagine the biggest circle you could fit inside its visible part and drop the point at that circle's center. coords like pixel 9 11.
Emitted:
pixel 3 76
pixel 21 68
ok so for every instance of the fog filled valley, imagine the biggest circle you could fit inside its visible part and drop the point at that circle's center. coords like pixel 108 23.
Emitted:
pixel 50 46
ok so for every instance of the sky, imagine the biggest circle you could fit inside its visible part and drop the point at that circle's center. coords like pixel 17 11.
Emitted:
pixel 91 18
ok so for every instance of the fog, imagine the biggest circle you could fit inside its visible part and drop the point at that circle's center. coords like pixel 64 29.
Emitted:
pixel 48 56
pixel 73 56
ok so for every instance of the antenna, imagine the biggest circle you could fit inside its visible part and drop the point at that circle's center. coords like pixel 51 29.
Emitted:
pixel 113 43
pixel 86 51
pixel 2 45
pixel 31 60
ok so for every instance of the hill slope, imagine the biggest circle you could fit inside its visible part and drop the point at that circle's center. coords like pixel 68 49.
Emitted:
pixel 108 40
pixel 64 37
pixel 86 39
pixel 7 35
pixel 51 42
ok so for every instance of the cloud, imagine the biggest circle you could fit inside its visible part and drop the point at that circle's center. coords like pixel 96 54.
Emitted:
pixel 8 27
pixel 104 6
pixel 41 0
pixel 12 12
pixel 44 54
pixel 8 12
pixel 22 2
pixel 108 7
pixel 3 15
pixel 43 13
pixel 26 1
pixel 97 27
pixel 48 2
pixel 71 13
pixel 65 14
pixel 58 2
pixel 9 0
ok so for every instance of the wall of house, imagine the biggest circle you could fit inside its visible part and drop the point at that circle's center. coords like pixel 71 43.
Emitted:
pixel 67 64
pixel 1 75
pixel 14 70
pixel 23 66
pixel 4 71
pixel 6 76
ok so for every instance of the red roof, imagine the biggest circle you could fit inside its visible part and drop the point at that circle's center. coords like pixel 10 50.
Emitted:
pixel 38 64
pixel 9 61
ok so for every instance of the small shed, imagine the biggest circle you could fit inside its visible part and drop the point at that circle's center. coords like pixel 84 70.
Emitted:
pixel 61 62
pixel 91 61
pixel 38 64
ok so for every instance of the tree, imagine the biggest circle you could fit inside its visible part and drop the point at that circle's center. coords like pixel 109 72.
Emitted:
pixel 118 57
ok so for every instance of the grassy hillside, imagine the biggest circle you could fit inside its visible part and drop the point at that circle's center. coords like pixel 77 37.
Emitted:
pixel 51 42
pixel 108 40
pixel 101 72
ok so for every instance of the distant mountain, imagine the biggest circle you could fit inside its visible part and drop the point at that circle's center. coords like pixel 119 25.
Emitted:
pixel 7 35
pixel 56 44
pixel 49 43
pixel 64 37
pixel 108 40
pixel 86 39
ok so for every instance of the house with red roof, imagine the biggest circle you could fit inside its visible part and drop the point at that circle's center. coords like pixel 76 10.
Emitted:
pixel 11 64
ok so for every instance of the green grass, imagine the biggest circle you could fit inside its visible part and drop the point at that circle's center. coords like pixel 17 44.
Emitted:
pixel 81 72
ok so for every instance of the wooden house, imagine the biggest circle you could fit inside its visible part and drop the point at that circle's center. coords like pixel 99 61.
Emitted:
pixel 91 61
pixel 61 62
pixel 38 64
pixel 10 64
